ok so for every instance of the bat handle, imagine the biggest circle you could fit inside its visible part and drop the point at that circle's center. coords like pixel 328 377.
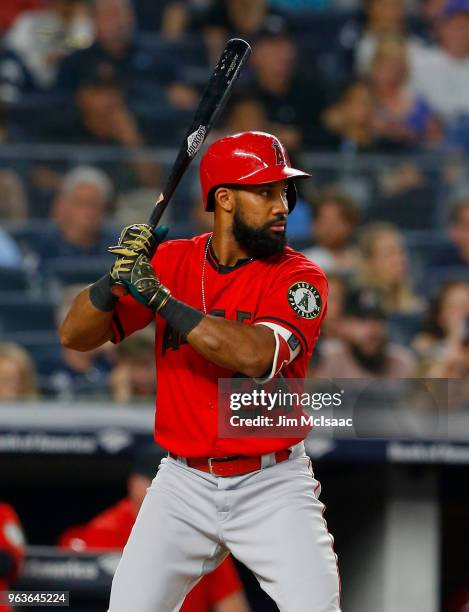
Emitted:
pixel 158 211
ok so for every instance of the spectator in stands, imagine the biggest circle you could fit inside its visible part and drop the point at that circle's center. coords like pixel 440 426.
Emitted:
pixel 400 114
pixel 10 256
pixel 455 254
pixel 443 344
pixel 441 74
pixel 300 5
pixel 244 18
pixel 364 350
pixel 220 591
pixel 133 376
pixel 459 233
pixel 73 374
pixel 175 19
pixel 41 38
pixel 382 18
pixel 349 124
pixel 14 201
pixel 384 266
pixel 293 98
pixel 335 219
pixel 17 374
pixel 431 9
pixel 245 112
pixel 103 117
pixel 12 544
pixel 79 213
pixel 116 54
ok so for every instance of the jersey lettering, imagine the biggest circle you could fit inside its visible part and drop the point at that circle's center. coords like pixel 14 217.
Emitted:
pixel 218 313
pixel 241 315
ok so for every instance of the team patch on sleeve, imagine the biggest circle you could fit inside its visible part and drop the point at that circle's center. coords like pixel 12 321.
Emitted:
pixel 305 300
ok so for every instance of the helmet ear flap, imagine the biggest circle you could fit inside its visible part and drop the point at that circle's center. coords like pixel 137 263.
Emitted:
pixel 292 194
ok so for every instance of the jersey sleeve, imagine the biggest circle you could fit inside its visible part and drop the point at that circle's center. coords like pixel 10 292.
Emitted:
pixel 223 581
pixel 129 315
pixel 294 307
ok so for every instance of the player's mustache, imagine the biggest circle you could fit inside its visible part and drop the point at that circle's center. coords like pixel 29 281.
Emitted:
pixel 280 218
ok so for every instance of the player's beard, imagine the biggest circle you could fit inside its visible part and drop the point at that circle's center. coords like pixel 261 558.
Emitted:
pixel 260 243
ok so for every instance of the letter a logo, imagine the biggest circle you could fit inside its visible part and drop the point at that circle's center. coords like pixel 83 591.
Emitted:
pixel 279 155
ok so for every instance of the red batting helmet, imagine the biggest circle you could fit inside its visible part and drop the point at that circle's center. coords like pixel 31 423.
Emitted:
pixel 249 158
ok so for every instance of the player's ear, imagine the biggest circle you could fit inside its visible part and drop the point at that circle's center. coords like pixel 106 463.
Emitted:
pixel 224 197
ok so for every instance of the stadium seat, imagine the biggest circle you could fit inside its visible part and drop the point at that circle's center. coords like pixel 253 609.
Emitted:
pixel 20 313
pixel 77 270
pixel 422 246
pixel 29 234
pixel 404 327
pixel 13 280
pixel 149 14
pixel 438 276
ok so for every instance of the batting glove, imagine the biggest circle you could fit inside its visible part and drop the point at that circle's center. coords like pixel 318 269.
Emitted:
pixel 136 245
pixel 140 279
pixel 139 239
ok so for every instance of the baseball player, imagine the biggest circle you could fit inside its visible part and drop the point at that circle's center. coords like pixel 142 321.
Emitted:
pixel 238 302
pixel 12 545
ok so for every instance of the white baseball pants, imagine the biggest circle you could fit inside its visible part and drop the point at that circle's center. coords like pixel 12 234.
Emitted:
pixel 271 520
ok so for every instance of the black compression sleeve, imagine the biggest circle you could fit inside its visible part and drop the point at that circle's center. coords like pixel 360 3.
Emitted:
pixel 180 316
pixel 100 294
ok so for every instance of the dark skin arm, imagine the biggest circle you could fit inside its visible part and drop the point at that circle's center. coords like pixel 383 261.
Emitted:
pixel 85 327
pixel 248 349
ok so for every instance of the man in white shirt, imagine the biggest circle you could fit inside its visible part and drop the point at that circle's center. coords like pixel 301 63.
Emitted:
pixel 441 74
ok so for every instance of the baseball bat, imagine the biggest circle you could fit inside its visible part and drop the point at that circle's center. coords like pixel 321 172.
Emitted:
pixel 214 98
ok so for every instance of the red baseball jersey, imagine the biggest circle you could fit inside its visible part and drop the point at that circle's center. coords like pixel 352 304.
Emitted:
pixel 111 530
pixel 11 546
pixel 285 292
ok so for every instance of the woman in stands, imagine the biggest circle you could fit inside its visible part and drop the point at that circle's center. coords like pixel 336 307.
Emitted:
pixel 384 266
pixel 443 345
pixel 399 114
pixel 17 373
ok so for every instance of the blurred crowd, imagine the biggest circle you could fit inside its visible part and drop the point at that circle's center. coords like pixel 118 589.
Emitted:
pixel 370 96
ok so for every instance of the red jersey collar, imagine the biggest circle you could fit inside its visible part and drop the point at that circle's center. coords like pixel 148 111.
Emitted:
pixel 221 268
